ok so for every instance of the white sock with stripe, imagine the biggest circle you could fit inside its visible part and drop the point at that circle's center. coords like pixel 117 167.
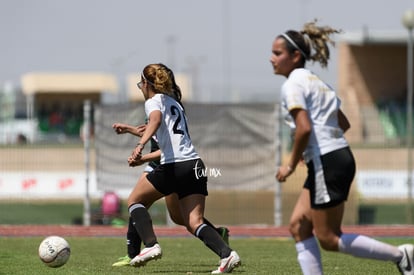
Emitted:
pixel 365 247
pixel 309 256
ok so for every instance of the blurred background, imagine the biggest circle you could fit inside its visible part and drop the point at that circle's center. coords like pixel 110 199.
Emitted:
pixel 56 55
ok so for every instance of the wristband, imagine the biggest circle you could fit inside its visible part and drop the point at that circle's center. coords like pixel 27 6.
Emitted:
pixel 139 144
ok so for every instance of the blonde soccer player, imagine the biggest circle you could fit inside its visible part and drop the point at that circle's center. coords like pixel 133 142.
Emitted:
pixel 152 159
pixel 181 171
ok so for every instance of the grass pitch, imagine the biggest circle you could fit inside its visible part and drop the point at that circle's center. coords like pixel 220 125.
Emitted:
pixel 180 256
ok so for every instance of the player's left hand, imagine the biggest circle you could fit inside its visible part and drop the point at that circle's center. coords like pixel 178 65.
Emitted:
pixel 135 155
pixel 135 162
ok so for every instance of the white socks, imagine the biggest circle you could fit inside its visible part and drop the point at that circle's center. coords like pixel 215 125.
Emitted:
pixel 365 247
pixel 309 256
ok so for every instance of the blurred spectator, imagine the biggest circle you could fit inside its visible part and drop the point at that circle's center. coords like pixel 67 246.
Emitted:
pixel 21 139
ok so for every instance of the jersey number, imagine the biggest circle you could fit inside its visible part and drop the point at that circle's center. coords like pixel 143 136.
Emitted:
pixel 176 112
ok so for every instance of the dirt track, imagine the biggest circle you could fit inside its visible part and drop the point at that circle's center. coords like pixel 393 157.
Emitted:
pixel 235 231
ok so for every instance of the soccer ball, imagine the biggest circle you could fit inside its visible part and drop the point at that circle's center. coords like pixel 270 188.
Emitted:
pixel 54 251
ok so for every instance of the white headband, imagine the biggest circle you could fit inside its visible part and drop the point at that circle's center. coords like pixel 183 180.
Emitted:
pixel 294 45
pixel 143 76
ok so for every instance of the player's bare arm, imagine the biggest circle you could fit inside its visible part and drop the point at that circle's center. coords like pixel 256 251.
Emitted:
pixel 152 126
pixel 122 128
pixel 153 156
pixel 302 133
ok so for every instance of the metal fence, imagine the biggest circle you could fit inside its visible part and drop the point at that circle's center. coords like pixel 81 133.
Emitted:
pixel 241 145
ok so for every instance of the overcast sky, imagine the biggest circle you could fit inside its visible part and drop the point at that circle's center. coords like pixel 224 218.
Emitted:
pixel 226 44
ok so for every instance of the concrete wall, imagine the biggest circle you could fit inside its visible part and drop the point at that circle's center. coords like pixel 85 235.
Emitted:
pixel 368 74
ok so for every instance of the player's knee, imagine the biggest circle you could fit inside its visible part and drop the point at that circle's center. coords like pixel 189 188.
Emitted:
pixel 300 229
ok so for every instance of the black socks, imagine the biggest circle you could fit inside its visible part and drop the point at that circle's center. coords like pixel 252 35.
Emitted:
pixel 212 240
pixel 143 224
pixel 133 240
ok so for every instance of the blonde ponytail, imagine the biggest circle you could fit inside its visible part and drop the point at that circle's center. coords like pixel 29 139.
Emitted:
pixel 317 39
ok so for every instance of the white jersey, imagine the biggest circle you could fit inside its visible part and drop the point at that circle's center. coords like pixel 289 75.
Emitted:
pixel 172 134
pixel 305 90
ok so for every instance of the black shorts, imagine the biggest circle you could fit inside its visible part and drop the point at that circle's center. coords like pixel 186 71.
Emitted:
pixel 183 178
pixel 330 177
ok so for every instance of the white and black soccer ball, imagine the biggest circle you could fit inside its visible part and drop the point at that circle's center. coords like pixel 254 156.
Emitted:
pixel 54 251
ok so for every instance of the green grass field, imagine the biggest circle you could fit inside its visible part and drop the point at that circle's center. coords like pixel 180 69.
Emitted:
pixel 180 256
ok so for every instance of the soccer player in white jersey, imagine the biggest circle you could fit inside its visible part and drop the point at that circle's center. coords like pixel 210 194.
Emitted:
pixel 152 159
pixel 312 110
pixel 181 171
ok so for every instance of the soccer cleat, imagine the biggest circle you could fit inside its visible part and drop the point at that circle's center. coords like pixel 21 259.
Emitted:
pixel 406 265
pixel 228 264
pixel 224 233
pixel 147 254
pixel 123 261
